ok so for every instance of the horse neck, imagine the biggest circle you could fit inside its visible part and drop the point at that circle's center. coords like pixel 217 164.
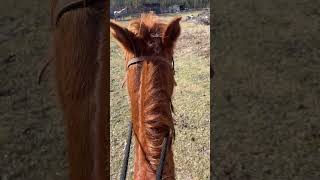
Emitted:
pixel 152 121
pixel 77 75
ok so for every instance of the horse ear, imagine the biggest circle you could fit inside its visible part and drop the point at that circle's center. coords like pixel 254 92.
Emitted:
pixel 123 36
pixel 172 32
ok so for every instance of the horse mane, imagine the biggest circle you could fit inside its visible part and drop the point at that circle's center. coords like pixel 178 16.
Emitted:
pixel 79 63
pixel 155 116
pixel 156 86
pixel 157 82
pixel 150 88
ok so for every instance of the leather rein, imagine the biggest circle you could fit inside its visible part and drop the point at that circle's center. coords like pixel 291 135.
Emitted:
pixel 140 59
pixel 64 8
pixel 74 5
pixel 166 141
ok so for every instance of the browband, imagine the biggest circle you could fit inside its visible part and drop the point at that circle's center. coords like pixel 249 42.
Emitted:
pixel 136 60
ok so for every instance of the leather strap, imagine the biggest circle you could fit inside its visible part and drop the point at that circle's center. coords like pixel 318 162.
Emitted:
pixel 69 5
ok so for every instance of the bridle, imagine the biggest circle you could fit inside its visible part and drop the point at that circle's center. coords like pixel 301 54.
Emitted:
pixel 127 153
pixel 165 144
pixel 140 59
pixel 77 4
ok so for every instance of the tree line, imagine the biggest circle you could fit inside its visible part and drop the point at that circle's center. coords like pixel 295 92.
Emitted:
pixel 116 4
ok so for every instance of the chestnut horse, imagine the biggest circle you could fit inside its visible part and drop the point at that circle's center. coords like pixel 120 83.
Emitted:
pixel 148 44
pixel 79 54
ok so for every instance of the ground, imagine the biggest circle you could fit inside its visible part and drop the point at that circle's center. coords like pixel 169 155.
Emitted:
pixel 31 131
pixel 191 102
pixel 266 91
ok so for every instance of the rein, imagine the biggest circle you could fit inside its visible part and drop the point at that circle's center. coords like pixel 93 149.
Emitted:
pixel 77 4
pixel 64 8
pixel 125 163
pixel 165 143
pixel 141 59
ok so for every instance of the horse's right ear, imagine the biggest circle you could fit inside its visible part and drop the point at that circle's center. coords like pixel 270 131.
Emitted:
pixel 172 32
pixel 123 36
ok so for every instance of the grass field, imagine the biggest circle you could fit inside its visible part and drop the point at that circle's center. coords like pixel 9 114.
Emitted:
pixel 191 102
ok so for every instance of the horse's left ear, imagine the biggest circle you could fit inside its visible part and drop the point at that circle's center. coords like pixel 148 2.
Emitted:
pixel 122 35
pixel 172 32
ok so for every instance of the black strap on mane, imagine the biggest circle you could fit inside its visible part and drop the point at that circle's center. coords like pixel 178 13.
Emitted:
pixel 125 163
pixel 65 6
pixel 70 5
pixel 137 60
pixel 126 155
pixel 134 61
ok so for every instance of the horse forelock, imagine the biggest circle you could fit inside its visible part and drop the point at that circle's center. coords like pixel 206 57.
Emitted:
pixel 150 29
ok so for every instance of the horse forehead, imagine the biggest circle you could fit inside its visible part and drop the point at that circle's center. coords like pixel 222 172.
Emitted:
pixel 155 45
